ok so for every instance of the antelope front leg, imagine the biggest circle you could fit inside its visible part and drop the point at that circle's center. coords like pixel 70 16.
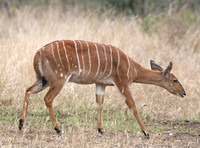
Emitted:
pixel 131 104
pixel 126 93
pixel 99 100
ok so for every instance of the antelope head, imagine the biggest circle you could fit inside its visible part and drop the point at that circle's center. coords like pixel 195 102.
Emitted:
pixel 168 80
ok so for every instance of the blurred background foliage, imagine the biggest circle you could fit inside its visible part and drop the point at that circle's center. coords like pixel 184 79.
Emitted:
pixel 129 7
pixel 151 11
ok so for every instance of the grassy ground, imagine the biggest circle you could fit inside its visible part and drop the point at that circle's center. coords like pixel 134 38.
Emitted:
pixel 171 121
pixel 78 129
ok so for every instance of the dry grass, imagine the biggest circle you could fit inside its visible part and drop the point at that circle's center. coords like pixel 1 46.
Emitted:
pixel 30 29
pixel 89 138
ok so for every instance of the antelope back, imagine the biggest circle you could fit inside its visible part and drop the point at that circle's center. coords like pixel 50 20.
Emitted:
pixel 84 62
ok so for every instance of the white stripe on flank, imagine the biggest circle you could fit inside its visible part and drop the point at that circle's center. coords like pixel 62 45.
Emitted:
pixel 67 78
pixel 111 62
pixel 77 56
pixel 128 66
pixel 99 63
pixel 40 64
pixel 118 64
pixel 48 64
pixel 105 58
pixel 53 54
pixel 82 57
pixel 59 54
pixel 89 58
pixel 66 55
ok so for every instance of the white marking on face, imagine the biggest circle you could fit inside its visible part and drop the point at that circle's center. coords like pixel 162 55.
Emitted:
pixel 171 84
pixel 100 90
pixel 52 49
pixel 61 74
pixel 111 62
pixel 56 71
pixel 66 55
pixel 82 57
pixel 89 58
pixel 179 95
pixel 98 61
pixel 128 66
pixel 59 54
pixel 77 56
pixel 118 63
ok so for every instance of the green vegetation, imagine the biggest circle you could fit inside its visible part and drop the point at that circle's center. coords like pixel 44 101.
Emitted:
pixel 129 7
pixel 75 118
pixel 112 120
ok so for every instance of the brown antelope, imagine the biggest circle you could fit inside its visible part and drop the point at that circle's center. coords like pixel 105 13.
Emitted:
pixel 83 62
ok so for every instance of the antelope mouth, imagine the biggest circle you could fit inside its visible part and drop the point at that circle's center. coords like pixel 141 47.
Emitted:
pixel 181 96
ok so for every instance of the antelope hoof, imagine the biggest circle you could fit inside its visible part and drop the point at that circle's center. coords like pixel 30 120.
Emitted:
pixel 146 135
pixel 20 124
pixel 57 131
pixel 99 130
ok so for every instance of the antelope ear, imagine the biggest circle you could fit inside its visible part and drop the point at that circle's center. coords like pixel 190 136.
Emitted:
pixel 168 69
pixel 155 66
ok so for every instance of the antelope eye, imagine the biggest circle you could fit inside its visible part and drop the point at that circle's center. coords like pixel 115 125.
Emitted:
pixel 175 81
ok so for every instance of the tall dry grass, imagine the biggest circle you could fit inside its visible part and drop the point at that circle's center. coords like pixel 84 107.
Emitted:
pixel 31 28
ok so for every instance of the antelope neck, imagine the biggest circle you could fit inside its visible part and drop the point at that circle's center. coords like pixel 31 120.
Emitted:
pixel 147 76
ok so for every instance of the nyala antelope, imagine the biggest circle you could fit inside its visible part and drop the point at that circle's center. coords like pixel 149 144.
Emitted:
pixel 83 62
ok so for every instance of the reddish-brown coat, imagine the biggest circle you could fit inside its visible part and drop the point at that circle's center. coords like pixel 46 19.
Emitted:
pixel 86 63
